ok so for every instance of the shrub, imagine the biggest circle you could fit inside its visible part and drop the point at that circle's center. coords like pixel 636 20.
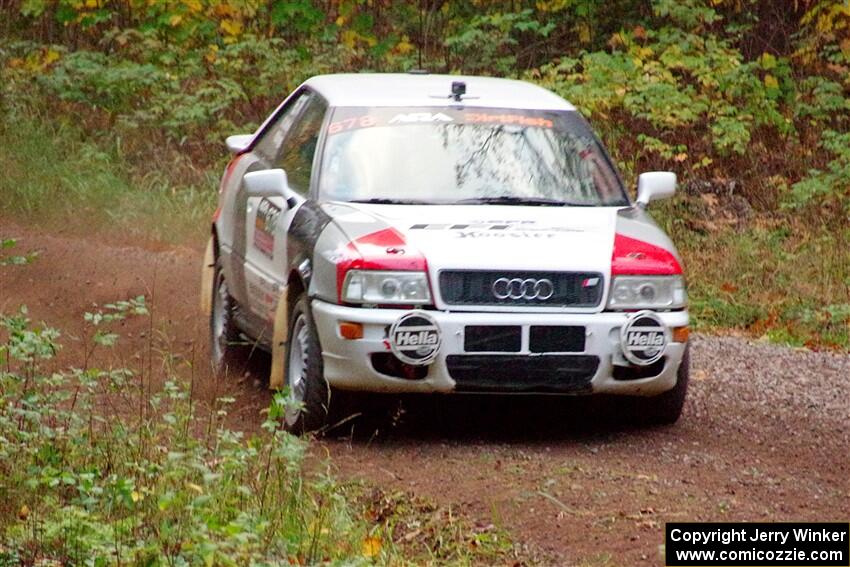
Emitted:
pixel 165 482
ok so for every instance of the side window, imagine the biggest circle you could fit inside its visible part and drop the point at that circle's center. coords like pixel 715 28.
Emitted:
pixel 296 155
pixel 269 145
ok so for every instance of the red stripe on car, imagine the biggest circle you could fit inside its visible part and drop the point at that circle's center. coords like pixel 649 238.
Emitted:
pixel 638 258
pixel 228 172
pixel 382 250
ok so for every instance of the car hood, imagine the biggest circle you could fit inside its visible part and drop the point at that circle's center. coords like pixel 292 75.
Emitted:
pixel 492 237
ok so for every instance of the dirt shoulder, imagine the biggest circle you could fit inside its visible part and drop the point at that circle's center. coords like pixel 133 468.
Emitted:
pixel 764 436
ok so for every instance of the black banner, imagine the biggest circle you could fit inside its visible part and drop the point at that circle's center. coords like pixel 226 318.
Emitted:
pixel 694 544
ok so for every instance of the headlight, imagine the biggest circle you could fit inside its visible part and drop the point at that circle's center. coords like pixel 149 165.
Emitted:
pixel 647 292
pixel 366 286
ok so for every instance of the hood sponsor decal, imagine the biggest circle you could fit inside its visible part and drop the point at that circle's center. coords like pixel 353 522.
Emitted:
pixel 415 338
pixel 498 229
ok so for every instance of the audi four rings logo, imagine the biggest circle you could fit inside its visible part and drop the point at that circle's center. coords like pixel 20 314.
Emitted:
pixel 518 288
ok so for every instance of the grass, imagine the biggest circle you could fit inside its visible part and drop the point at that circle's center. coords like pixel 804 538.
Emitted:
pixel 169 483
pixel 780 277
pixel 54 176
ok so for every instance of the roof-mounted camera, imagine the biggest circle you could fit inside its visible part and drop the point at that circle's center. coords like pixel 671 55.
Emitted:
pixel 458 90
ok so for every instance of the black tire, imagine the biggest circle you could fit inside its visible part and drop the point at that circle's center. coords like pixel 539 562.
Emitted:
pixel 666 408
pixel 228 352
pixel 307 391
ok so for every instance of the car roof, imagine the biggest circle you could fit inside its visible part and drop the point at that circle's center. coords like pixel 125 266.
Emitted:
pixel 413 90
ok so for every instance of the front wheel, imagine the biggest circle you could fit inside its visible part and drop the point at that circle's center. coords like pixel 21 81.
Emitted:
pixel 308 396
pixel 666 408
pixel 227 351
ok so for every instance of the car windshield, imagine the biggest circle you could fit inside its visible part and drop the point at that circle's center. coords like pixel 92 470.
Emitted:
pixel 466 156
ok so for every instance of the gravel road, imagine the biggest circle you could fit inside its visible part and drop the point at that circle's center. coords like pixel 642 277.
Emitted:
pixel 764 435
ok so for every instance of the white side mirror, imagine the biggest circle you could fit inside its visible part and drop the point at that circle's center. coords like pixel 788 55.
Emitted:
pixel 268 183
pixel 654 185
pixel 239 143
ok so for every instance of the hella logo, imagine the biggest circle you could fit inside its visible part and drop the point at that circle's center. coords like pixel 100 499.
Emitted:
pixel 408 338
pixel 642 338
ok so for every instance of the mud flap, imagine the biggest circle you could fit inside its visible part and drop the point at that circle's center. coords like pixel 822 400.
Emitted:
pixel 207 276
pixel 279 337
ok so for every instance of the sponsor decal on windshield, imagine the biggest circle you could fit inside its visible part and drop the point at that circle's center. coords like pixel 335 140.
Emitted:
pixel 504 118
pixel 348 119
pixel 351 123
pixel 420 117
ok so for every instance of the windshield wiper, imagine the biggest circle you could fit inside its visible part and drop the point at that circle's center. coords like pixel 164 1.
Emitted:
pixel 511 200
pixel 386 201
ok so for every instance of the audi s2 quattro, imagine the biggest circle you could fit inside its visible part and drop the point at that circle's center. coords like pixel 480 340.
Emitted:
pixel 436 234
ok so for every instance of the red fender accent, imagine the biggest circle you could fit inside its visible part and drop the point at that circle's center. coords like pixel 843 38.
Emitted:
pixel 639 258
pixel 382 250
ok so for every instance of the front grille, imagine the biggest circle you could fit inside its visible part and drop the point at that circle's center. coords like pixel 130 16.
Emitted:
pixel 492 338
pixel 569 289
pixel 556 338
pixel 519 373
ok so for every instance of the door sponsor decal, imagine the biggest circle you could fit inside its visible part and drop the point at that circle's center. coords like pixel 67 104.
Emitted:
pixel 264 294
pixel 415 338
pixel 644 338
pixel 265 224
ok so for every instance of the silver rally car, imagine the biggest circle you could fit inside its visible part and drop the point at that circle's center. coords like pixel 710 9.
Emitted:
pixel 431 233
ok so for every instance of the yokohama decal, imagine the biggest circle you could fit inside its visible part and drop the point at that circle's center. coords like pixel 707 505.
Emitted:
pixel 639 258
pixel 382 250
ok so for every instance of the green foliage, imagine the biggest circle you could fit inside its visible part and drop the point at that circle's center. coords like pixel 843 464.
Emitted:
pixel 488 43
pixel 54 176
pixel 829 185
pixel 15 259
pixel 673 79
pixel 101 82
pixel 785 281
pixel 101 467
pixel 81 488
pixel 679 75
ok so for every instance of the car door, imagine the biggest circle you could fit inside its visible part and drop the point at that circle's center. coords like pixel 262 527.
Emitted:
pixel 291 147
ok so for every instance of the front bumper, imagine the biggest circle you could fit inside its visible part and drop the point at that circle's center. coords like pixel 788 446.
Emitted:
pixel 348 363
